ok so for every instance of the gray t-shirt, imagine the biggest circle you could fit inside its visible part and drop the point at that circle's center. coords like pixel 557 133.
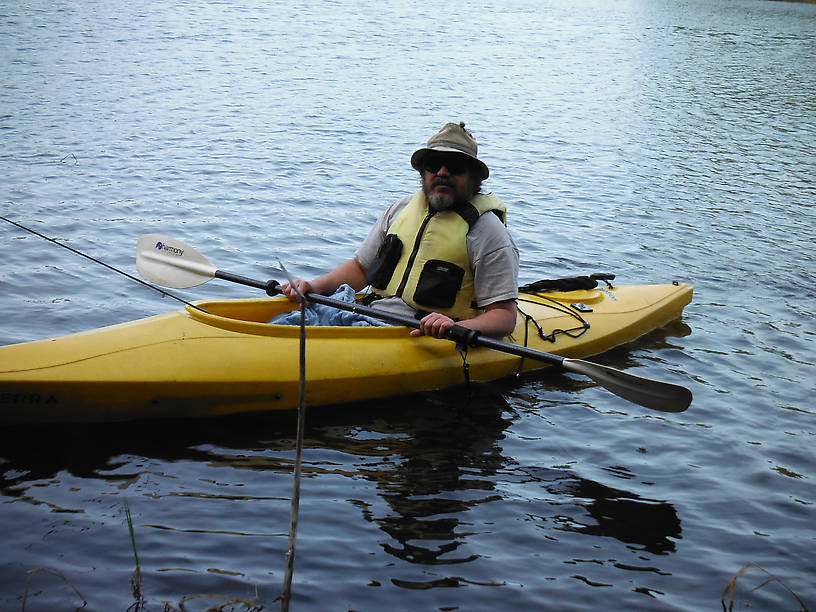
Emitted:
pixel 494 258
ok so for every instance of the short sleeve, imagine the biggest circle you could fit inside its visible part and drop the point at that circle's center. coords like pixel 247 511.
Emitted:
pixel 494 260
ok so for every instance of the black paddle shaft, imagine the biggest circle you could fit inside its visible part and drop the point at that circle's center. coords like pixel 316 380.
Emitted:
pixel 272 287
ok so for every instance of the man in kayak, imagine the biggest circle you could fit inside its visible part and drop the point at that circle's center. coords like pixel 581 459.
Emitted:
pixel 443 254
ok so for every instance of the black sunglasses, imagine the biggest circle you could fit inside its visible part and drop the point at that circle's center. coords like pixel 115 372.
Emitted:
pixel 454 163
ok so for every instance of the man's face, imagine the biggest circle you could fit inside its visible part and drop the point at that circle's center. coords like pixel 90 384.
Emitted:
pixel 447 180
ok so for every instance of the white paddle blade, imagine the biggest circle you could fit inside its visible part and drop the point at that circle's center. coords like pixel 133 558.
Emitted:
pixel 172 263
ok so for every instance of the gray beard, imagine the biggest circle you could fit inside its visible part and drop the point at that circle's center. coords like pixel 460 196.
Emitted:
pixel 440 203
pixel 445 202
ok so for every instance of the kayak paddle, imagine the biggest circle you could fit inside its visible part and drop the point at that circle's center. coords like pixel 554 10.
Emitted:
pixel 173 263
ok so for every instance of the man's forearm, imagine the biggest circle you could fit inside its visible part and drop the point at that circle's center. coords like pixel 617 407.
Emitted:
pixel 497 320
pixel 349 272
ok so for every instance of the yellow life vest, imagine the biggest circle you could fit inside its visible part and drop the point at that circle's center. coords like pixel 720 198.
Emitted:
pixel 424 259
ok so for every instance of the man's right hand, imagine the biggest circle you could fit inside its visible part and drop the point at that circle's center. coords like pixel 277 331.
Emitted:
pixel 303 286
pixel 349 272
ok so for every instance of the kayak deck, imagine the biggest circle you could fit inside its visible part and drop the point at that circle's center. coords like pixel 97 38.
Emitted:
pixel 191 363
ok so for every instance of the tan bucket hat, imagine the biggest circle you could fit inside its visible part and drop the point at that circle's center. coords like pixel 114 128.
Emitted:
pixel 452 138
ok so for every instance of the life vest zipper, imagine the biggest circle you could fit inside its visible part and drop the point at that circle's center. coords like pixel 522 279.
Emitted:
pixel 414 252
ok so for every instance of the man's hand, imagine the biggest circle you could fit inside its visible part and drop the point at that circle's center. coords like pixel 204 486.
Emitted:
pixel 435 324
pixel 498 319
pixel 349 272
pixel 303 286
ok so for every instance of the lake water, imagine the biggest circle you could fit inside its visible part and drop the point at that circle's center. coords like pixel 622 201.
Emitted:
pixel 657 140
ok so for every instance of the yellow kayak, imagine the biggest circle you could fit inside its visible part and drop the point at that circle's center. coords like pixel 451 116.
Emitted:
pixel 191 363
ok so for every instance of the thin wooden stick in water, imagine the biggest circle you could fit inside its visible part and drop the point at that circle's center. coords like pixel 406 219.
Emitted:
pixel 293 516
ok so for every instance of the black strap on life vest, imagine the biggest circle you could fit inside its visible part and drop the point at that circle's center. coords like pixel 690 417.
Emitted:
pixel 468 212
pixel 471 215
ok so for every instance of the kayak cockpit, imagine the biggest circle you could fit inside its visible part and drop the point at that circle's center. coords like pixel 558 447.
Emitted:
pixel 253 310
pixel 253 316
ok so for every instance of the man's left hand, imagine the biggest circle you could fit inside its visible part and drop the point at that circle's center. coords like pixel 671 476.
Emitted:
pixel 435 324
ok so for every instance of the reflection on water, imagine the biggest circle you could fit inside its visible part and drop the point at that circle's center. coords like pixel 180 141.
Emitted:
pixel 449 467
pixel 622 515
pixel 436 463
pixel 444 465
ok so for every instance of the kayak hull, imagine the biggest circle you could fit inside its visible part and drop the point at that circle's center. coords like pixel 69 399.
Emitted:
pixel 191 364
